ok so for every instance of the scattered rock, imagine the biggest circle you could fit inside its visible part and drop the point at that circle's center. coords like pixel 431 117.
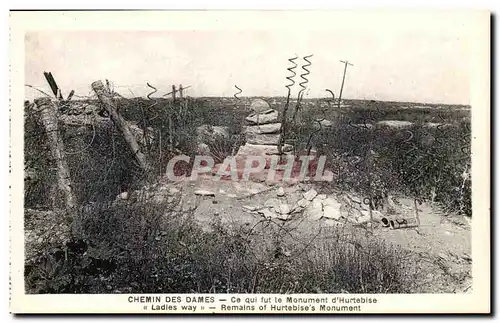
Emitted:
pixel 395 123
pixel 122 196
pixel 332 223
pixel 250 208
pixel 321 196
pixel 303 202
pixel 314 211
pixel 283 209
pixel 311 194
pixel 173 190
pixel 273 203
pixel 204 193
pixel 267 213
pixel 281 192
pixel 284 216
pixel 331 208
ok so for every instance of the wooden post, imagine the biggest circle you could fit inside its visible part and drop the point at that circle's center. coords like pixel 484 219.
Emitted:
pixel 181 95
pixel 53 85
pixel 48 116
pixel 121 124
pixel 173 93
pixel 343 79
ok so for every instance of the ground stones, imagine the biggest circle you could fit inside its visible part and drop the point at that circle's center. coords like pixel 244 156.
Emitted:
pixel 331 209
pixel 310 195
pixel 314 211
pixel 202 192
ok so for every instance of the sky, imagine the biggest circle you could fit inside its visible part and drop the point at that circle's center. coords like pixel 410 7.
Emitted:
pixel 408 61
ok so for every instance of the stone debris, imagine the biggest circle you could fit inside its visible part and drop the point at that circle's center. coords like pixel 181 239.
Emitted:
pixel 283 209
pixel 331 208
pixel 314 211
pixel 303 203
pixel 122 196
pixel 284 216
pixel 250 208
pixel 202 192
pixel 272 203
pixel 395 123
pixel 311 194
pixel 280 192
pixel 332 223
pixel 267 213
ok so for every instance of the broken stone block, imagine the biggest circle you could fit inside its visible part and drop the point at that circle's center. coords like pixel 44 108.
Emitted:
pixel 284 216
pixel 204 193
pixel 268 116
pixel 280 192
pixel 311 194
pixel 273 203
pixel 263 139
pixel 283 209
pixel 332 223
pixel 262 129
pixel 332 208
pixel 314 211
pixel 250 208
pixel 303 202
pixel 267 213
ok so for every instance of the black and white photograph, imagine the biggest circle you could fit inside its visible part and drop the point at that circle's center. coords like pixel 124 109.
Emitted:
pixel 325 161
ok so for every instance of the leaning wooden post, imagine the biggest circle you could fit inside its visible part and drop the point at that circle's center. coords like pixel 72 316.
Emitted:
pixel 121 124
pixel 48 116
